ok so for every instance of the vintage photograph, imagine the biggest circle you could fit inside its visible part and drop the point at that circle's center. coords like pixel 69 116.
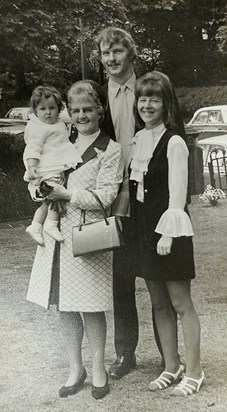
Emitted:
pixel 113 207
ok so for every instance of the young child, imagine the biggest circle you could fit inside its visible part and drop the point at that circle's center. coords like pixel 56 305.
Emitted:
pixel 48 153
pixel 162 230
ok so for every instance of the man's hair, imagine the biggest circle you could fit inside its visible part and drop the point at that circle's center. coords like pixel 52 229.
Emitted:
pixel 94 93
pixel 45 91
pixel 111 35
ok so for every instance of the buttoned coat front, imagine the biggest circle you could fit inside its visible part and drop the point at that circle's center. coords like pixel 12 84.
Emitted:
pixel 85 283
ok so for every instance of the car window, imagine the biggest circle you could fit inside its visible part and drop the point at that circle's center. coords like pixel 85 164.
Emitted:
pixel 202 117
pixel 215 116
pixel 14 114
pixel 218 150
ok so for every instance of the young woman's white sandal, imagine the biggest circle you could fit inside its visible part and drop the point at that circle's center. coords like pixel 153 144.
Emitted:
pixel 166 379
pixel 186 386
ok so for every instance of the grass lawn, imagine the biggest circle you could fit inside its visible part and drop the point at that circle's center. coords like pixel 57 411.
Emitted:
pixel 33 360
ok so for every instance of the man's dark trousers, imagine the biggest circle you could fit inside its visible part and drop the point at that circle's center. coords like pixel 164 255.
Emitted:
pixel 125 312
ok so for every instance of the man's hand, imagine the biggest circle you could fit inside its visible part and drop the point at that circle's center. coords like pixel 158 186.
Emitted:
pixel 164 245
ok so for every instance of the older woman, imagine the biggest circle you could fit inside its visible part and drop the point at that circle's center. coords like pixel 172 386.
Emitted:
pixel 82 284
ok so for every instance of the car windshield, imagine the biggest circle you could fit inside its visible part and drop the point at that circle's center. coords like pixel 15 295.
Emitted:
pixel 17 113
pixel 209 116
pixel 14 114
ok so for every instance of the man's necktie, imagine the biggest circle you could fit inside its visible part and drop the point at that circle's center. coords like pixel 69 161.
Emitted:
pixel 122 126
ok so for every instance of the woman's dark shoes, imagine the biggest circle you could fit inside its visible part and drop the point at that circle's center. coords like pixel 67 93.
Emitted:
pixel 122 366
pixel 100 392
pixel 72 390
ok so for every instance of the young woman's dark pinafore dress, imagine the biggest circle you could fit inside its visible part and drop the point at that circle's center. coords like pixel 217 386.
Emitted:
pixel 145 262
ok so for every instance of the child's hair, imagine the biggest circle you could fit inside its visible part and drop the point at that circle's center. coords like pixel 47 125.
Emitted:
pixel 94 93
pixel 45 91
pixel 111 35
pixel 157 84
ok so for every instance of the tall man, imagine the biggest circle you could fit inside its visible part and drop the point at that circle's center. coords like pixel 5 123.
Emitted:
pixel 117 52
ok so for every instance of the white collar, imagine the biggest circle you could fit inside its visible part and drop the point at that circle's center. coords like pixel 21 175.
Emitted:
pixel 88 138
pixel 145 143
pixel 114 86
pixel 155 132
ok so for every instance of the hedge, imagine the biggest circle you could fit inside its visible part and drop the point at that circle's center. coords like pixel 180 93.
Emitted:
pixel 15 201
pixel 193 98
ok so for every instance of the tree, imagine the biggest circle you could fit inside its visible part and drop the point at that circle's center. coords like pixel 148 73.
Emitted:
pixel 43 38
pixel 179 37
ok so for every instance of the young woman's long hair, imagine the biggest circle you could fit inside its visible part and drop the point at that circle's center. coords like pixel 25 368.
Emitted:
pixel 158 84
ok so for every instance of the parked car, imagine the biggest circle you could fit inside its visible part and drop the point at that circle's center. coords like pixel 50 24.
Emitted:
pixel 16 119
pixel 16 115
pixel 208 121
pixel 215 148
pixel 17 129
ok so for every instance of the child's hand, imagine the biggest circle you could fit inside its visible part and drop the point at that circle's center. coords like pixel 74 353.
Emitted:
pixel 32 172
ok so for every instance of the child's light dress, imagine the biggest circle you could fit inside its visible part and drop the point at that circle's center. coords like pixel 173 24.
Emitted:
pixel 49 143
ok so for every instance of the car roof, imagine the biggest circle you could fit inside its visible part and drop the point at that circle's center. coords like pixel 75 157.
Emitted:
pixel 21 108
pixel 223 106
pixel 221 139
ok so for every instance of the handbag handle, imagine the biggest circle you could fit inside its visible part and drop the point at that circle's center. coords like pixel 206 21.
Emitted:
pixel 83 211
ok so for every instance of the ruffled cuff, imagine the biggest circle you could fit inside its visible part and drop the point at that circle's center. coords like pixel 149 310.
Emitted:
pixel 174 223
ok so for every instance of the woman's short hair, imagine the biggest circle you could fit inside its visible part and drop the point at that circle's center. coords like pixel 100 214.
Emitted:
pixel 111 35
pixel 93 91
pixel 45 91
pixel 158 84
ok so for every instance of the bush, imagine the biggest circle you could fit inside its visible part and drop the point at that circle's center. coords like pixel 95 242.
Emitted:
pixel 15 202
pixel 11 151
pixel 193 98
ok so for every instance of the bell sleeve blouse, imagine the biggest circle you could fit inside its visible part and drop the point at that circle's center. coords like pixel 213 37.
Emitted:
pixel 175 222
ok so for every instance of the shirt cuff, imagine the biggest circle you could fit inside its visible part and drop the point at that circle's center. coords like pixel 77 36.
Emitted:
pixel 175 223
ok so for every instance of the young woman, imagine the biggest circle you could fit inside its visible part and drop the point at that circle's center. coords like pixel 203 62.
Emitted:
pixel 162 229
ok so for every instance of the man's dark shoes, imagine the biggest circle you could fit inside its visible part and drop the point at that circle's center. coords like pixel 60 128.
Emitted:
pixel 72 390
pixel 100 392
pixel 122 366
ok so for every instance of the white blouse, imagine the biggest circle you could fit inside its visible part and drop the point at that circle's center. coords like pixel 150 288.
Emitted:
pixel 175 221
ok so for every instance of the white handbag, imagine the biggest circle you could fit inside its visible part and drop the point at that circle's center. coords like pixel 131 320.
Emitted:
pixel 99 235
